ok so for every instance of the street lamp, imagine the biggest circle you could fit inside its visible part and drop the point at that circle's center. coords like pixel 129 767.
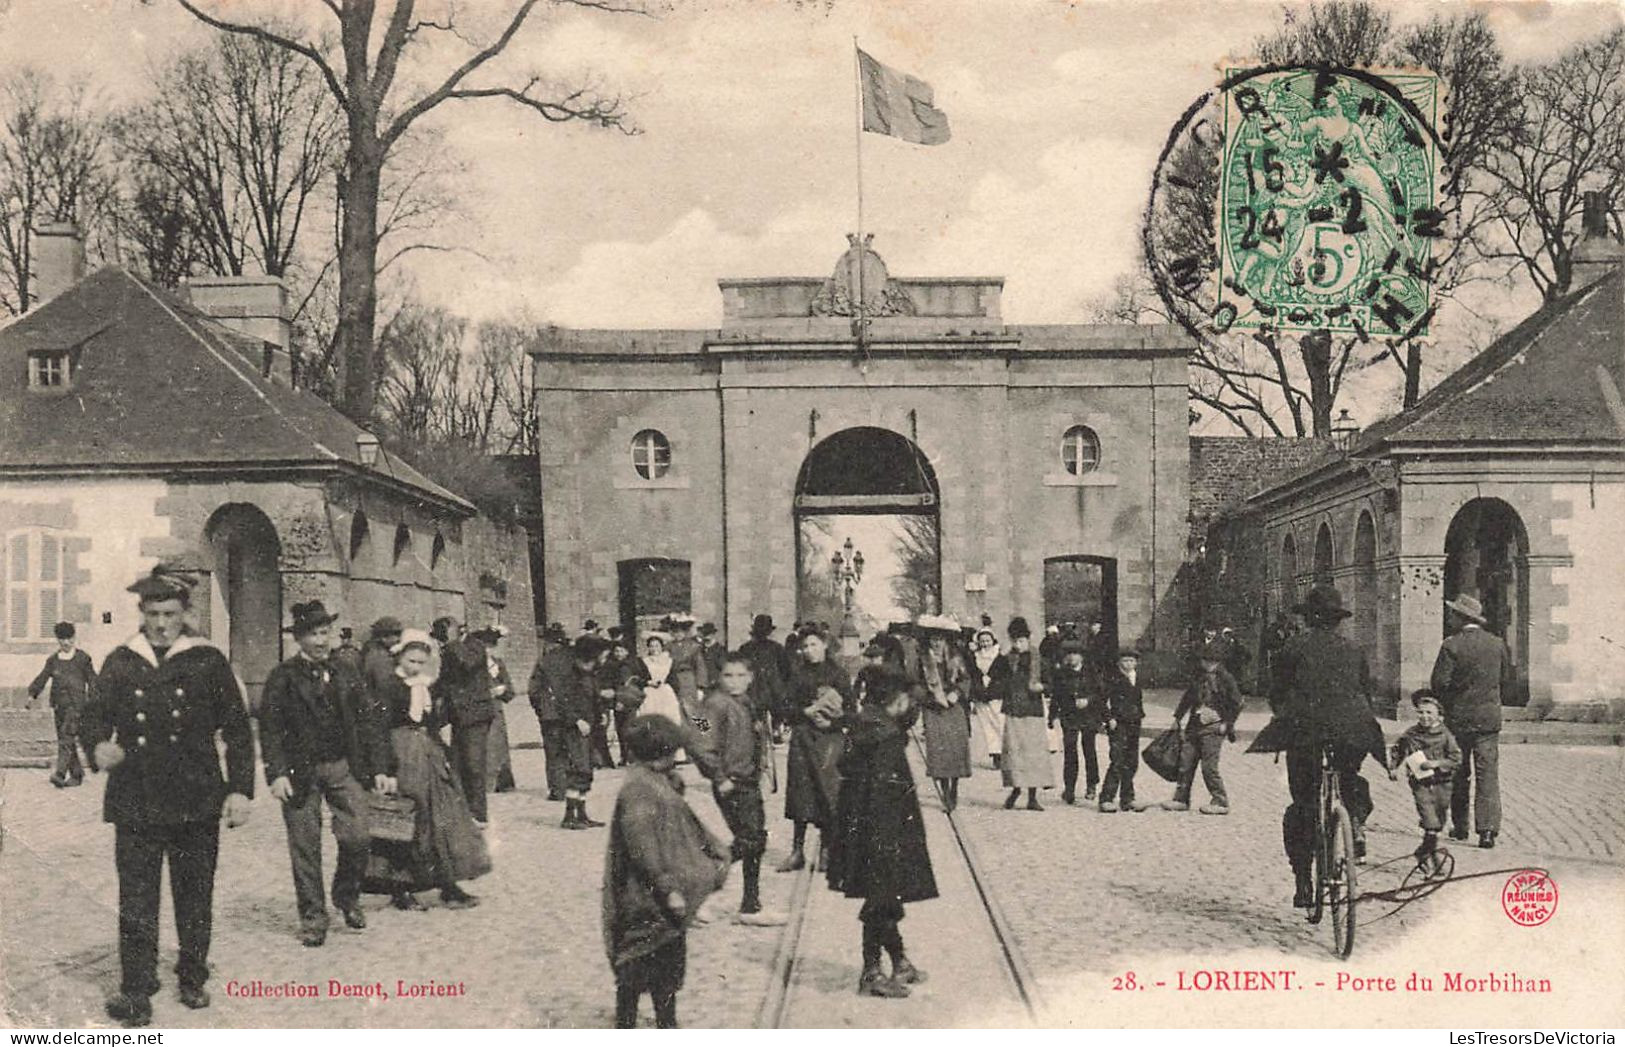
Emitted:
pixel 366 448
pixel 847 567
pixel 1344 430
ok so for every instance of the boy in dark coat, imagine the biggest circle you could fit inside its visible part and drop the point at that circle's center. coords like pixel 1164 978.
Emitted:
pixel 1074 703
pixel 1209 709
pixel 463 685
pixel 72 679
pixel 660 865
pixel 879 852
pixel 1430 774
pixel 1125 708
pixel 731 756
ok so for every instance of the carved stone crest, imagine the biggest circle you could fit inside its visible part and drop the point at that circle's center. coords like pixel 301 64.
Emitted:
pixel 861 267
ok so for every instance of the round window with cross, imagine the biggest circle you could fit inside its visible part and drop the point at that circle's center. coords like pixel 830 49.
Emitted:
pixel 1080 450
pixel 651 454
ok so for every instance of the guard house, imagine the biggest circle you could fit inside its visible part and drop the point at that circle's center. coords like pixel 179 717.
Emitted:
pixel 814 464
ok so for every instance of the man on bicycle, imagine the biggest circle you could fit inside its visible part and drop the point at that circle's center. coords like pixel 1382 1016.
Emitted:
pixel 1321 697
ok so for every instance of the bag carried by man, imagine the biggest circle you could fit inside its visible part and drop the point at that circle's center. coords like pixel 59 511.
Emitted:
pixel 1162 755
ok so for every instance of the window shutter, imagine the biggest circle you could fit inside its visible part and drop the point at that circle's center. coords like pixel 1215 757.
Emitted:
pixel 19 560
pixel 50 557
pixel 19 613
pixel 48 611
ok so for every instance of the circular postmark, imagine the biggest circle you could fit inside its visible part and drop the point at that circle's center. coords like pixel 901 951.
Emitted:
pixel 1529 897
pixel 1301 198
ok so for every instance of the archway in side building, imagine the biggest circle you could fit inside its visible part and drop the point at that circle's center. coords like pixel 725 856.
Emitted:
pixel 868 534
pixel 1289 573
pixel 1324 563
pixel 1486 554
pixel 1365 585
pixel 246 553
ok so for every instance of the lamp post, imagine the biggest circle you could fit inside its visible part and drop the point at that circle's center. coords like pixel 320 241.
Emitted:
pixel 846 566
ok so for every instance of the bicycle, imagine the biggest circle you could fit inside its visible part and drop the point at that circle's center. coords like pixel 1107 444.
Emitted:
pixel 1334 861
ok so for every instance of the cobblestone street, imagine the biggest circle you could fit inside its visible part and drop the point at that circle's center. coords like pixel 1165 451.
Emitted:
pixel 1089 897
pixel 1093 896
pixel 531 955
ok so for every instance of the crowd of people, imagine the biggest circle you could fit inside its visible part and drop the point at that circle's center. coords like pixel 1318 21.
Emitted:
pixel 403 737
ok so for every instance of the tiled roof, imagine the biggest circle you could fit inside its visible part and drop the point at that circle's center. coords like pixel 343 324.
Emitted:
pixel 1225 470
pixel 1536 382
pixel 158 385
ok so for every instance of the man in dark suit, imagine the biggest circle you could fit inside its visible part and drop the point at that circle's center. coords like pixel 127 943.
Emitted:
pixel 464 685
pixel 162 699
pixel 321 740
pixel 1472 677
pixel 72 680
pixel 1322 698
pixel 565 694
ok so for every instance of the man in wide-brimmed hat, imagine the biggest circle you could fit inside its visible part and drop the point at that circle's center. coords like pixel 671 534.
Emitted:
pixel 322 741
pixel 1473 676
pixel 769 673
pixel 164 701
pixel 1321 698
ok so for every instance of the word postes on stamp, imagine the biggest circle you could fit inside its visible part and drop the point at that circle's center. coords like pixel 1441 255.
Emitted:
pixel 1302 198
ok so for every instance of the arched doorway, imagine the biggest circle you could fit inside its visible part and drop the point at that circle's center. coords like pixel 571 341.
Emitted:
pixel 1288 569
pixel 1365 584
pixel 1486 554
pixel 1324 563
pixel 868 538
pixel 246 554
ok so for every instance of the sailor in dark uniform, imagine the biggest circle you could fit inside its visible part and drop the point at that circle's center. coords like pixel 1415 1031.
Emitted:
pixel 162 699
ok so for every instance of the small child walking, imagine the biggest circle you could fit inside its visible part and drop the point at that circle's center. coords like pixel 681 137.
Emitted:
pixel 661 864
pixel 879 852
pixel 1430 756
pixel 1209 709
pixel 1125 710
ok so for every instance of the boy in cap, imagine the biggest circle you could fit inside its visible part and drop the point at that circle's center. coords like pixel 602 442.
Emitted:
pixel 566 699
pixel 879 850
pixel 1074 703
pixel 1125 709
pixel 661 865
pixel 322 742
pixel 72 679
pixel 1430 756
pixel 1209 708
pixel 162 700
pixel 732 759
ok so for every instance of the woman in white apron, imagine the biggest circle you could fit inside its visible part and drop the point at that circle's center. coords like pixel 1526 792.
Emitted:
pixel 659 697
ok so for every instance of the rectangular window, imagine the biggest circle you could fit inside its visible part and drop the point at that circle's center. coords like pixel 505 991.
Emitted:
pixel 33 585
pixel 50 370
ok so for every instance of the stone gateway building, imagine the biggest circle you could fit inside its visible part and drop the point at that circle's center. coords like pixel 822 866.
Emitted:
pixel 806 463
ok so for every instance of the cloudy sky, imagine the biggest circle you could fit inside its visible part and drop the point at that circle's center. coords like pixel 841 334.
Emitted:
pixel 745 165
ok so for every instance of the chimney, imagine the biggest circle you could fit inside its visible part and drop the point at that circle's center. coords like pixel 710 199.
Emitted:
pixel 256 306
pixel 1597 251
pixel 59 260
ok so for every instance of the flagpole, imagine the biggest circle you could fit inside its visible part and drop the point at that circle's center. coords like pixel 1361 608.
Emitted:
pixel 857 85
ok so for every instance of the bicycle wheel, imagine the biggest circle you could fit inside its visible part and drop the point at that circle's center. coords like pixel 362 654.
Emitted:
pixel 1337 881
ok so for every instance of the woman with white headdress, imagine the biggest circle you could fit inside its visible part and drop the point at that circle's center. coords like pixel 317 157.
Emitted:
pixel 653 674
pixel 446 845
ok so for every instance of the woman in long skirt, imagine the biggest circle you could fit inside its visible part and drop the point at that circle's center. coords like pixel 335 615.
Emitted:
pixel 1026 762
pixel 817 701
pixel 943 714
pixel 498 759
pixel 988 669
pixel 446 845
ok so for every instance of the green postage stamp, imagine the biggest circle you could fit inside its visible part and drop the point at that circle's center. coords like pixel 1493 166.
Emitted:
pixel 1328 210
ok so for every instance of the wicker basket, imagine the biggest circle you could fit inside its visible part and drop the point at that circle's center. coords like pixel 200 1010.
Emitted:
pixel 391 818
